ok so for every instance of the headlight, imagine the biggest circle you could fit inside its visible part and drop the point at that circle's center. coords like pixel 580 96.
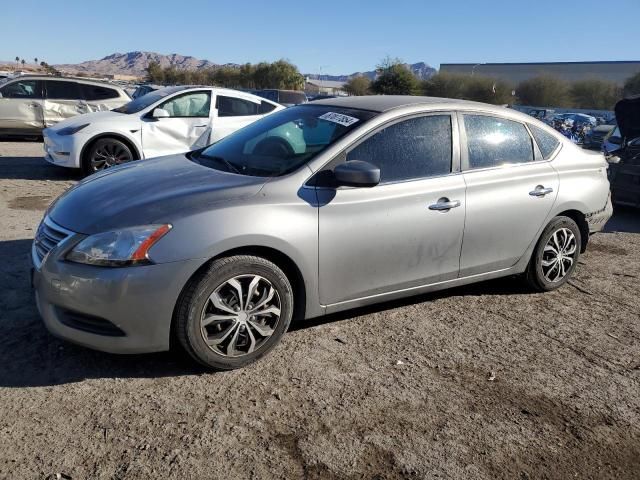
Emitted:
pixel 71 130
pixel 118 248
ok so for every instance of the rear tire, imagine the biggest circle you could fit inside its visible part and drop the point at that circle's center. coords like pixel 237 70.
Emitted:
pixel 104 153
pixel 234 312
pixel 556 255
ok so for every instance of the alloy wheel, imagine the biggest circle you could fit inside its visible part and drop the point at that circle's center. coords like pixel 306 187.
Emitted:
pixel 559 255
pixel 109 155
pixel 240 315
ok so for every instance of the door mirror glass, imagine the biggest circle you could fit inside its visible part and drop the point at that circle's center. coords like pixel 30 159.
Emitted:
pixel 356 173
pixel 160 113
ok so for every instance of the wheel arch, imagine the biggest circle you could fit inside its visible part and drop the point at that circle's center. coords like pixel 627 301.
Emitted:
pixel 580 219
pixel 118 136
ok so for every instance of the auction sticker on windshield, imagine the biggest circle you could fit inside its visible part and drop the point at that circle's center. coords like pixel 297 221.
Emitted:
pixel 339 118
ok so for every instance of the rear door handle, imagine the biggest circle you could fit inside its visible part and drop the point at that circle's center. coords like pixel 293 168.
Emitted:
pixel 444 205
pixel 540 191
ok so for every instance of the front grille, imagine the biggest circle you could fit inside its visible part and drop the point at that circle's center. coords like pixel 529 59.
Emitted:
pixel 48 236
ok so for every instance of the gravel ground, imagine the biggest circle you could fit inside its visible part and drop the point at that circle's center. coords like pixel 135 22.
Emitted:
pixel 481 382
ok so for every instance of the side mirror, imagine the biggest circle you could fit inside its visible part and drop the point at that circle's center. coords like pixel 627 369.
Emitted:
pixel 160 113
pixel 356 173
pixel 613 159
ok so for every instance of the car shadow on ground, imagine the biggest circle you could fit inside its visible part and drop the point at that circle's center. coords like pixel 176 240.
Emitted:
pixel 624 219
pixel 31 357
pixel 35 168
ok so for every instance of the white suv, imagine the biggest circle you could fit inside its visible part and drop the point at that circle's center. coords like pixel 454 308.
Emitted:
pixel 168 121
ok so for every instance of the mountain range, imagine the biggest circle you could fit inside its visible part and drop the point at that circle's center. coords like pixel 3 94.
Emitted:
pixel 135 63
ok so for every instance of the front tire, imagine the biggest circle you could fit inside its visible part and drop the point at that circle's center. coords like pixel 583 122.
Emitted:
pixel 104 153
pixel 234 312
pixel 556 255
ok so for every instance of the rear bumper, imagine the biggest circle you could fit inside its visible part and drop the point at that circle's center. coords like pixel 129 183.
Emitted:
pixel 597 220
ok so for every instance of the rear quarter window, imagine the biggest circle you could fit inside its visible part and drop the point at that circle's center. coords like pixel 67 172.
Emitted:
pixel 547 143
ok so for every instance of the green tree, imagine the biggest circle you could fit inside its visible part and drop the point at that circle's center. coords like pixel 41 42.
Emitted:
pixel 394 78
pixel 22 62
pixel 597 94
pixel 35 60
pixel 544 91
pixel 446 85
pixel 632 85
pixel 17 61
pixel 358 85
pixel 155 73
pixel 488 90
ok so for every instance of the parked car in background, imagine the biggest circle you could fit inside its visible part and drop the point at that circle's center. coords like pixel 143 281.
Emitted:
pixel 30 103
pixel 580 118
pixel 612 141
pixel 283 97
pixel 167 121
pixel 220 248
pixel 144 89
pixel 594 138
pixel 623 147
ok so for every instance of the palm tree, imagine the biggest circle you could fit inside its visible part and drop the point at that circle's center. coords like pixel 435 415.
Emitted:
pixel 23 62
pixel 35 60
pixel 17 60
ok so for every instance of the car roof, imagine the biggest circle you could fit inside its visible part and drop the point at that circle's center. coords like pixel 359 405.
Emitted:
pixel 383 103
pixel 75 79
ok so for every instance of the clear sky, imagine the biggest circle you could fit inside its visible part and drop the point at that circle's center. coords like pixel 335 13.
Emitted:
pixel 336 37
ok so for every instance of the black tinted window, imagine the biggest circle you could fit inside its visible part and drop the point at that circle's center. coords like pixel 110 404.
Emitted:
pixel 235 107
pixel 494 141
pixel 416 148
pixel 22 89
pixel 60 90
pixel 265 107
pixel 95 92
pixel 547 143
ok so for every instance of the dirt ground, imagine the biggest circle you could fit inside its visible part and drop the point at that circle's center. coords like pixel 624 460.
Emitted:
pixel 481 382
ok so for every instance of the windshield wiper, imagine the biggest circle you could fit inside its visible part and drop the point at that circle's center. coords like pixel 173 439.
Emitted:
pixel 230 166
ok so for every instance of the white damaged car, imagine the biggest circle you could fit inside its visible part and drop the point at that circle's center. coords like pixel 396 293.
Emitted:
pixel 168 121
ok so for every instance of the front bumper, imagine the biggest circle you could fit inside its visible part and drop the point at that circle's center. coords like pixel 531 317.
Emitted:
pixel 61 150
pixel 120 310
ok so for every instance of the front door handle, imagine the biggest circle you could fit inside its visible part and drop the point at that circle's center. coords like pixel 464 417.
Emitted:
pixel 444 205
pixel 540 191
pixel 199 126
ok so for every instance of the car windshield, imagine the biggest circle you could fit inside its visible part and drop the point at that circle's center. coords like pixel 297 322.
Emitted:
pixel 281 142
pixel 147 100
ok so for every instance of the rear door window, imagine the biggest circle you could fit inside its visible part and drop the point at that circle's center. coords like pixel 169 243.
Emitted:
pixel 63 90
pixel 494 141
pixel 235 107
pixel 265 107
pixel 97 92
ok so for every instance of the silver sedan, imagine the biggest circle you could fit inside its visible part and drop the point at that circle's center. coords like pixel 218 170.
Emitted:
pixel 315 209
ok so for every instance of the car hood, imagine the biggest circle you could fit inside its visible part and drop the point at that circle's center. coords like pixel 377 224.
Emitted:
pixel 146 192
pixel 91 118
pixel 628 117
